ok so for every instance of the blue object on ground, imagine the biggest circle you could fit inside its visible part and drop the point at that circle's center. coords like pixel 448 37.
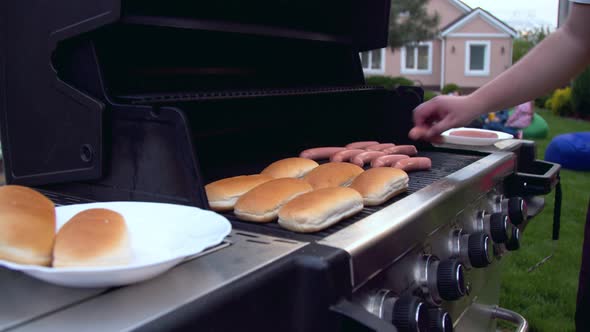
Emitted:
pixel 572 151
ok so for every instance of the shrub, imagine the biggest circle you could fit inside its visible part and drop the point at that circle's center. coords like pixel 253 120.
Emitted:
pixel 541 101
pixel 388 82
pixel 428 94
pixel 561 102
pixel 448 88
pixel 581 93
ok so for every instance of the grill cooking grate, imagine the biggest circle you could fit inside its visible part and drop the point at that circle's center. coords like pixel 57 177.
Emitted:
pixel 444 163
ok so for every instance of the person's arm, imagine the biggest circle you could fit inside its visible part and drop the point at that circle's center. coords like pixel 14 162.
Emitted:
pixel 547 66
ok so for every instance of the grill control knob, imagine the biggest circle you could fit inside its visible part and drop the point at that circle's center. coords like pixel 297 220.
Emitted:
pixel 410 314
pixel 499 227
pixel 439 320
pixel 514 242
pixel 480 249
pixel 450 280
pixel 517 210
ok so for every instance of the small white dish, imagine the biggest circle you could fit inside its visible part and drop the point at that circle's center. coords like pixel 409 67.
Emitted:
pixel 161 235
pixel 479 141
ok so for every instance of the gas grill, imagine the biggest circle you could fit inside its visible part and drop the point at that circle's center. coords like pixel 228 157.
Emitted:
pixel 149 101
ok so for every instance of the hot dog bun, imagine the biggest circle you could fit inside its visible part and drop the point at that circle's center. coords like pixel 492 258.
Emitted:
pixel 94 237
pixel 27 226
pixel 377 185
pixel 223 194
pixel 332 174
pixel 262 203
pixel 319 209
pixel 290 168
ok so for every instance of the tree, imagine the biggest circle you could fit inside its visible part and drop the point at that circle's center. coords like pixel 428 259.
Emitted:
pixel 410 23
pixel 527 40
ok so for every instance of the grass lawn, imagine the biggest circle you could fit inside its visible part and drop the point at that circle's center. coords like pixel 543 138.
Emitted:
pixel 547 295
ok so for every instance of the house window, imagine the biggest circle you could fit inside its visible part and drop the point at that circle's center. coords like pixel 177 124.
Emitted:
pixel 373 61
pixel 417 59
pixel 477 58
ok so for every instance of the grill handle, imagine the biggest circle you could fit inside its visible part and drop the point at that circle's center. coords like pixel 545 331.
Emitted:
pixel 540 179
pixel 358 314
pixel 506 315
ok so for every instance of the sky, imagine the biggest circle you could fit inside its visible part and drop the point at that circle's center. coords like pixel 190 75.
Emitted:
pixel 521 14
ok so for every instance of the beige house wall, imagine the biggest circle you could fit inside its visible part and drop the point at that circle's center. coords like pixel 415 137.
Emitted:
pixel 393 66
pixel 478 25
pixel 455 61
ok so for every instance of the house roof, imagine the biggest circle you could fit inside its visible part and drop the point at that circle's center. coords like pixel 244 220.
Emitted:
pixel 485 15
pixel 461 5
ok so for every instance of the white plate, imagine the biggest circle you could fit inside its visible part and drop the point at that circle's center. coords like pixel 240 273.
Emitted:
pixel 462 140
pixel 161 235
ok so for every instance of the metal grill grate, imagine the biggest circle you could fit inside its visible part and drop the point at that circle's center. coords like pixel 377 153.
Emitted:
pixel 444 163
pixel 60 199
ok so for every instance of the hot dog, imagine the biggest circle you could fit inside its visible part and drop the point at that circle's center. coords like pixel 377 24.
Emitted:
pixel 388 160
pixel 408 150
pixel 360 145
pixel 414 164
pixel 473 133
pixel 345 155
pixel 362 158
pixel 379 147
pixel 320 153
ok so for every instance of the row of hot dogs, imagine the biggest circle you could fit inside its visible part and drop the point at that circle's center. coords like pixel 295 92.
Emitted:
pixel 372 154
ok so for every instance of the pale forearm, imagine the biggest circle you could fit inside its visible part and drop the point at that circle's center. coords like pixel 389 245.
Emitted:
pixel 549 65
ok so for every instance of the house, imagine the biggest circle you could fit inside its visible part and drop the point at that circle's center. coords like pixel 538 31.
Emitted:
pixel 472 48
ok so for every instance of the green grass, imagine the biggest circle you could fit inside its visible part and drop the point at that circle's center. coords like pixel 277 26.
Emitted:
pixel 546 297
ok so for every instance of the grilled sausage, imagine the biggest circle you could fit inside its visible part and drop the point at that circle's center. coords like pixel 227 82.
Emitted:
pixel 320 153
pixel 388 160
pixel 473 133
pixel 345 155
pixel 408 150
pixel 379 147
pixel 362 158
pixel 360 145
pixel 414 164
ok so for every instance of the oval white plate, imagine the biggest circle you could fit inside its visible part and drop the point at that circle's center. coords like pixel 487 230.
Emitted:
pixel 161 235
pixel 462 140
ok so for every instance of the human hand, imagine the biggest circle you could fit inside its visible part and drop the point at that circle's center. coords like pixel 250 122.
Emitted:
pixel 442 113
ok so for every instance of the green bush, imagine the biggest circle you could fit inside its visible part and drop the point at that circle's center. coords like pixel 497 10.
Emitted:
pixel 449 88
pixel 581 93
pixel 541 101
pixel 561 102
pixel 428 94
pixel 388 82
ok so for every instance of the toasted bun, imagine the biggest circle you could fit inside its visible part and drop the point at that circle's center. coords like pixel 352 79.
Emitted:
pixel 290 168
pixel 94 237
pixel 262 203
pixel 333 174
pixel 223 194
pixel 379 184
pixel 319 209
pixel 27 226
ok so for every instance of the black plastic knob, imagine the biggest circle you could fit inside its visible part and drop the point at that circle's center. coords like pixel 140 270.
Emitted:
pixel 439 320
pixel 514 242
pixel 450 280
pixel 517 210
pixel 480 249
pixel 410 314
pixel 499 227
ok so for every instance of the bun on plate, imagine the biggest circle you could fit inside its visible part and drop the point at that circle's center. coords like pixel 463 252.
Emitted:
pixel 27 226
pixel 94 237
